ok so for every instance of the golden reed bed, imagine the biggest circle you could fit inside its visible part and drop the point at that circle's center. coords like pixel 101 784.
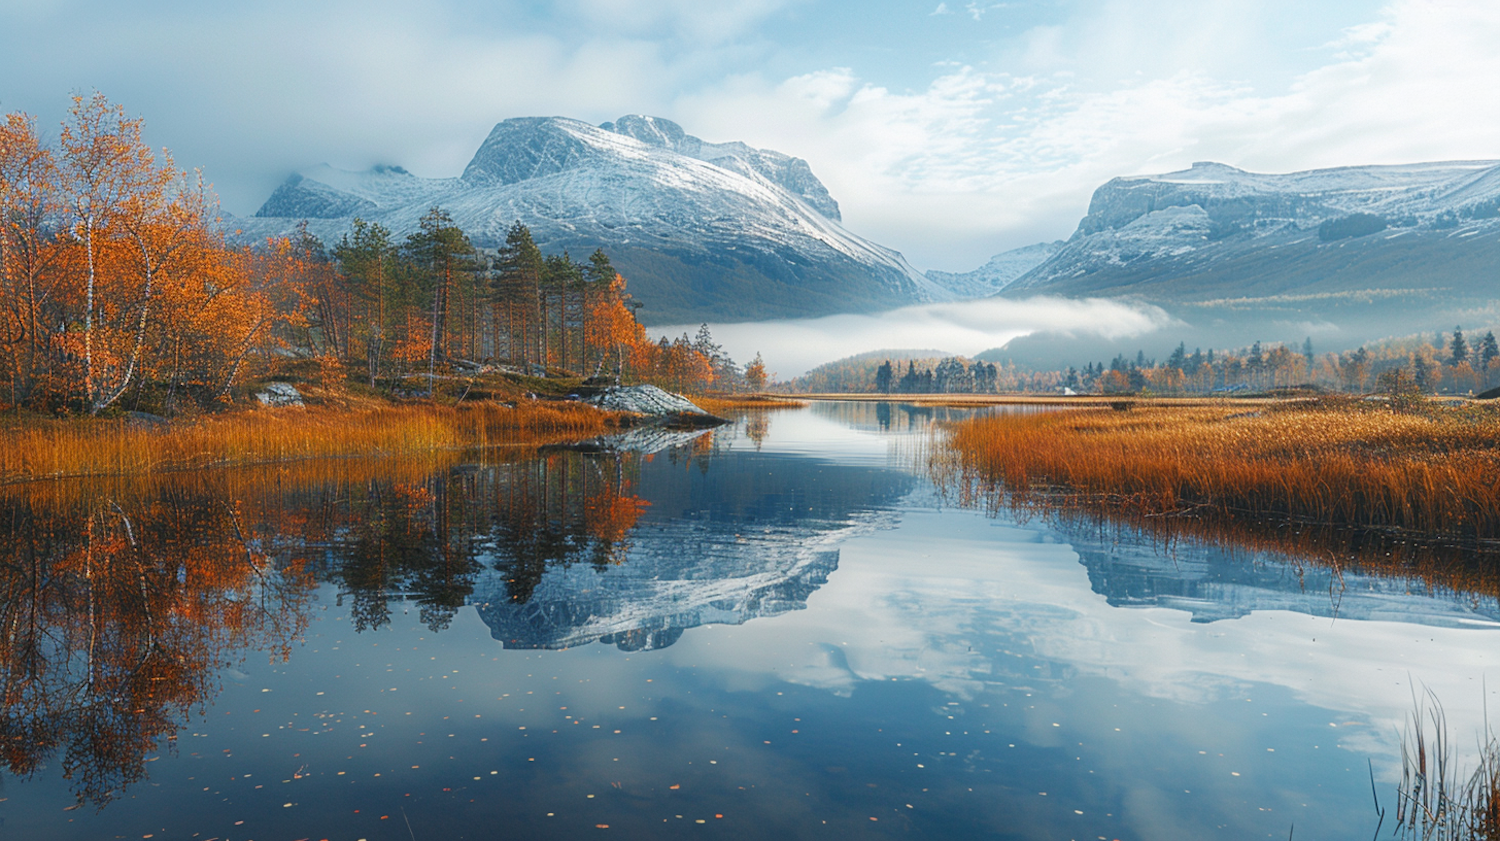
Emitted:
pixel 722 404
pixel 47 449
pixel 1334 462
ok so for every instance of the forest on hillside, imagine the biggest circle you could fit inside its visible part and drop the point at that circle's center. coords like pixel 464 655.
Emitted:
pixel 1446 363
pixel 120 289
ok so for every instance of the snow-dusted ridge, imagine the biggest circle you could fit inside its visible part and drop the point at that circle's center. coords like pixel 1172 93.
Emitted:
pixel 723 210
pixel 1181 222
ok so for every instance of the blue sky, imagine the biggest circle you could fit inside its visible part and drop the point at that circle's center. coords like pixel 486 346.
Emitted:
pixel 949 131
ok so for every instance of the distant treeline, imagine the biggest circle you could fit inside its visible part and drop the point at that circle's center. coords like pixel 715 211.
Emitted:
pixel 119 289
pixel 1445 363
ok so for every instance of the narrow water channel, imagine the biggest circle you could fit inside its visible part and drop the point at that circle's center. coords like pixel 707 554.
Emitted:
pixel 777 630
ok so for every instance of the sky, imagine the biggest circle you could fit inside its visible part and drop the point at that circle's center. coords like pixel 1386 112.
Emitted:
pixel 947 130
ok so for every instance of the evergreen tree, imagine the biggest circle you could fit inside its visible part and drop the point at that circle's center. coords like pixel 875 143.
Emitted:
pixel 909 380
pixel 1488 350
pixel 367 257
pixel 561 293
pixel 1421 372
pixel 517 289
pixel 883 376
pixel 1307 351
pixel 600 270
pixel 449 263
pixel 1460 348
pixel 1178 359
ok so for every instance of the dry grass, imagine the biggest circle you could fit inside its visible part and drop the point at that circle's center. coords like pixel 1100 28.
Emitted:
pixel 1080 400
pixel 1438 800
pixel 719 404
pixel 1336 463
pixel 47 449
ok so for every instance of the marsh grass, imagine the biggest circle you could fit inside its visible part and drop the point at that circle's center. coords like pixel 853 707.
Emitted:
pixel 720 404
pixel 50 449
pixel 1334 463
pixel 1438 799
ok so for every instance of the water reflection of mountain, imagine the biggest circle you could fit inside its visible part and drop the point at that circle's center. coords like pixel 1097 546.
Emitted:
pixel 753 536
pixel 1213 583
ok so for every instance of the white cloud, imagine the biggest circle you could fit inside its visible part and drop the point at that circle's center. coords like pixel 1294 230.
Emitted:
pixel 983 159
pixel 998 150
pixel 792 347
pixel 714 22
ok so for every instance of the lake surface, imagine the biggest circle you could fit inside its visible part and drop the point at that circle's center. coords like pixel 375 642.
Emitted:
pixel 779 630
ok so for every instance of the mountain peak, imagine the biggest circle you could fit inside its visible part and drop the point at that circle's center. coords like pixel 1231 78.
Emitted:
pixel 705 231
pixel 654 131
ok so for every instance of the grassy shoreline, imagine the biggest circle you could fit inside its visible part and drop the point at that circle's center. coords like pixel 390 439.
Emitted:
pixel 718 404
pixel 1336 463
pixel 1081 400
pixel 42 449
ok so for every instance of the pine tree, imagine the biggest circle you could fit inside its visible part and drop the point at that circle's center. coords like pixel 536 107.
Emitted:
pixel 1488 350
pixel 448 261
pixel 1178 359
pixel 883 378
pixel 1307 351
pixel 367 257
pixel 1421 371
pixel 1460 348
pixel 517 289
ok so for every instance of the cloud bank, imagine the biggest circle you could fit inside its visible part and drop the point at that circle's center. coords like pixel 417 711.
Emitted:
pixel 947 136
pixel 792 347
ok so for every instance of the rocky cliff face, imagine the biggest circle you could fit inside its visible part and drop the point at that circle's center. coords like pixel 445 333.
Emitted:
pixel 702 230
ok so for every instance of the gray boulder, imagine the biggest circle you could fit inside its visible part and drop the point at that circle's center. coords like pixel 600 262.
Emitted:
pixel 280 394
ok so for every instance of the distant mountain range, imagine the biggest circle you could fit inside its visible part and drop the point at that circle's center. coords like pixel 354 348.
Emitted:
pixel 727 232
pixel 703 231
pixel 1343 255
pixel 1003 270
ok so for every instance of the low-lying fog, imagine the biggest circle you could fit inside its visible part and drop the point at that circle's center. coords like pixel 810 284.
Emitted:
pixel 791 347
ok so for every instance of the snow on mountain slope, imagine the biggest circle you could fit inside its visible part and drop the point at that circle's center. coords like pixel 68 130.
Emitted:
pixel 1183 223
pixel 792 174
pixel 702 230
pixel 1001 271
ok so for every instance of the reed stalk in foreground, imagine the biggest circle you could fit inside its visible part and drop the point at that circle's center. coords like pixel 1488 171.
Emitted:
pixel 1437 800
pixel 1342 464
pixel 55 449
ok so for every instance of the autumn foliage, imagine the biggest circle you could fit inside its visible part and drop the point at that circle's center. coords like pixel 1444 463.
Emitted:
pixel 113 275
pixel 119 289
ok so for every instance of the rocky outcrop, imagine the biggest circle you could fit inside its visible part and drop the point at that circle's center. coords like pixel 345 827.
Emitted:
pixel 277 395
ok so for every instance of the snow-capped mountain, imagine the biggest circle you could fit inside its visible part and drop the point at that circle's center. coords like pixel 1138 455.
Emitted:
pixel 1001 271
pixel 717 546
pixel 702 230
pixel 1217 225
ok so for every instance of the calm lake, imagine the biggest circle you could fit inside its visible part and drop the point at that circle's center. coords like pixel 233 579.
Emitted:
pixel 777 630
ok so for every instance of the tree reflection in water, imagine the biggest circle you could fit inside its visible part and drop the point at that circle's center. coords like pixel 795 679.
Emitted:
pixel 120 602
pixel 427 539
pixel 115 619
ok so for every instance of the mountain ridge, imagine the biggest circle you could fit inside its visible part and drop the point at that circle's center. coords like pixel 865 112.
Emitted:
pixel 703 231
